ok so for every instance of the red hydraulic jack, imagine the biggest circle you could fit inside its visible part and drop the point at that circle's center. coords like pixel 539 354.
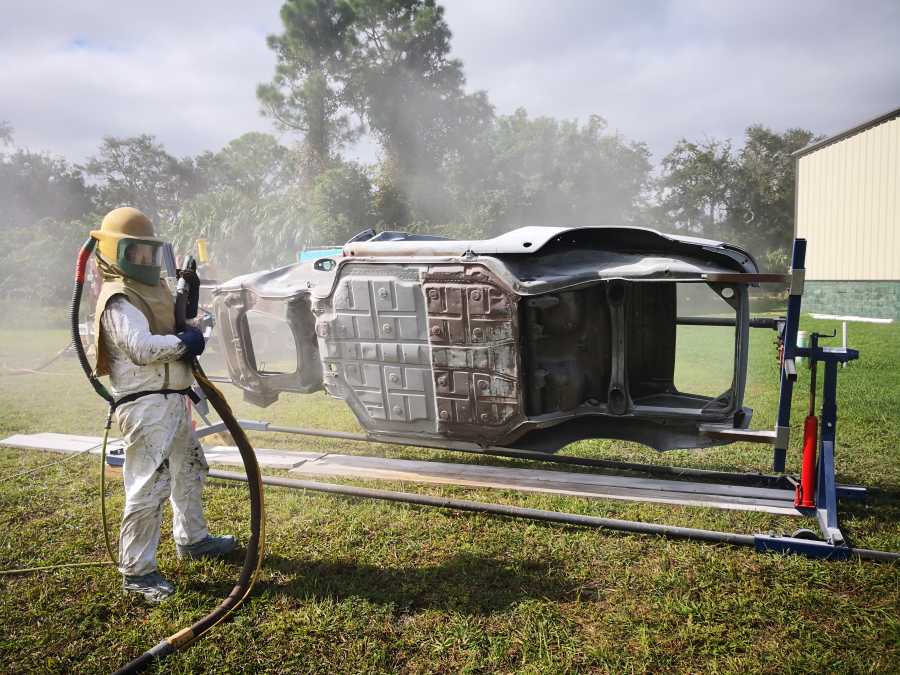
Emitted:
pixel 805 497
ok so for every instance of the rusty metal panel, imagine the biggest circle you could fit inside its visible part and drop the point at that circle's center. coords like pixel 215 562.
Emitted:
pixel 473 328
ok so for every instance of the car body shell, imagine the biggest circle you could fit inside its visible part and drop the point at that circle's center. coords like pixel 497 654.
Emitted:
pixel 534 339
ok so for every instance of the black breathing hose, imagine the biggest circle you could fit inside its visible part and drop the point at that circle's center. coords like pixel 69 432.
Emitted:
pixel 80 266
pixel 255 546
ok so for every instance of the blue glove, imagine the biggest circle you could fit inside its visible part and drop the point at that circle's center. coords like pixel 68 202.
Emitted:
pixel 194 341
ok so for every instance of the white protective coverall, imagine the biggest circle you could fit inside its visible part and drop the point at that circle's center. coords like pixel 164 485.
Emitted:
pixel 162 455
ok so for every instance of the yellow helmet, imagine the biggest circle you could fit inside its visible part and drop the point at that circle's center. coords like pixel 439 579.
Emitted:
pixel 126 239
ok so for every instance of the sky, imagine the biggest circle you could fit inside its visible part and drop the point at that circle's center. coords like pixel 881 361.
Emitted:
pixel 656 71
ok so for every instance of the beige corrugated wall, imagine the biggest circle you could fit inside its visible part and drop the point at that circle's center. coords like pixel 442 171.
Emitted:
pixel 848 206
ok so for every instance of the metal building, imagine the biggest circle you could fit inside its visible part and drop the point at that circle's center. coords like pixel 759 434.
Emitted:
pixel 848 207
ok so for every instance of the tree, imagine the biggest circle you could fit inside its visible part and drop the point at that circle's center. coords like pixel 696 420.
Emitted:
pixel 340 205
pixel 305 95
pixel 35 186
pixel 45 208
pixel 765 187
pixel 38 270
pixel 697 186
pixel 137 171
pixel 745 197
pixel 402 81
pixel 6 133
pixel 256 213
pixel 249 190
pixel 390 203
pixel 387 62
pixel 543 171
pixel 255 164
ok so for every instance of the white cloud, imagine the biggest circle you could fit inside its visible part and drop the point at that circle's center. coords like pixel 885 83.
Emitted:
pixel 660 71
pixel 188 77
pixel 187 72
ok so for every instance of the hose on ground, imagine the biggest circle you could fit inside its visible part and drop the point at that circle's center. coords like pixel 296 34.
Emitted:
pixel 12 372
pixel 78 346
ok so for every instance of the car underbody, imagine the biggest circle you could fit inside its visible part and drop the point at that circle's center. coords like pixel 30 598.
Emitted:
pixel 534 339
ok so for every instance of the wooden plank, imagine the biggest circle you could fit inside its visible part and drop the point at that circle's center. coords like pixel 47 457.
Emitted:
pixel 746 278
pixel 736 435
pixel 220 454
pixel 54 442
pixel 503 474
pixel 272 459
pixel 554 482
pixel 590 485
pixel 782 507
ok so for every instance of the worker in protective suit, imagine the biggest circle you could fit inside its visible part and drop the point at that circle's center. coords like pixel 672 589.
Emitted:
pixel 149 370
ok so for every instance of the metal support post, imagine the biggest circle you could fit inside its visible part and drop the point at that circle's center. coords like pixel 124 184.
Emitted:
pixel 788 367
pixel 844 340
pixel 826 490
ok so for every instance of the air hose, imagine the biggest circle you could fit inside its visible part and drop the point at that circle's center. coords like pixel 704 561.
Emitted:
pixel 256 544
pixel 83 255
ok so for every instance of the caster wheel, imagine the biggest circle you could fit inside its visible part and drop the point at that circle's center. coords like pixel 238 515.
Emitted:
pixel 804 533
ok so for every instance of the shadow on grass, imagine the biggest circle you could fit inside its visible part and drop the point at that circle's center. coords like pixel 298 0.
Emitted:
pixel 880 493
pixel 466 583
pixel 885 506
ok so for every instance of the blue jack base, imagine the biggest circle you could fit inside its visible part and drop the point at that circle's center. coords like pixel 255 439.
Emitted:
pixel 820 550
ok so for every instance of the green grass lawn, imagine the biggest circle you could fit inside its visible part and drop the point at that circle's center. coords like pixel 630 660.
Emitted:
pixel 353 585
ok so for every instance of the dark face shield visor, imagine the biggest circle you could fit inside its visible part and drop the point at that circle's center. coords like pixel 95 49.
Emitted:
pixel 140 260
